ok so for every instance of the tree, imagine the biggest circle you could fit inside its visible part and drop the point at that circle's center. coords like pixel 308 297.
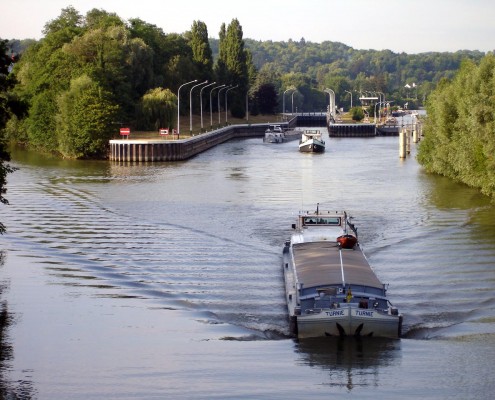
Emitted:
pixel 357 113
pixel 201 51
pixel 221 65
pixel 41 123
pixel 5 168
pixel 236 66
pixel 459 134
pixel 86 120
pixel 235 56
pixel 69 19
pixel 158 109
pixel 266 99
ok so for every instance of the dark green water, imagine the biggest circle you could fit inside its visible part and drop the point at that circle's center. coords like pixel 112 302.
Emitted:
pixel 164 280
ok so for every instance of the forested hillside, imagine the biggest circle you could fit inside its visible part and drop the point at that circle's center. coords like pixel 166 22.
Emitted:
pixel 342 68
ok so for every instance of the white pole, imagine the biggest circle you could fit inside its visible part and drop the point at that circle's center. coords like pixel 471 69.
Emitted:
pixel 178 104
pixel 402 142
pixel 190 104
pixel 201 102
pixel 211 112
pixel 226 87
pixel 283 100
pixel 350 94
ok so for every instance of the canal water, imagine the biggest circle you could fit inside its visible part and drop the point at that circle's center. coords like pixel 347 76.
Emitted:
pixel 148 281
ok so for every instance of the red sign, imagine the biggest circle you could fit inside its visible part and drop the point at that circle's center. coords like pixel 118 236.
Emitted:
pixel 125 131
pixel 163 131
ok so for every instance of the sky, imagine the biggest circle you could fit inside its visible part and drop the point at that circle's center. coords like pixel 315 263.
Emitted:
pixel 410 26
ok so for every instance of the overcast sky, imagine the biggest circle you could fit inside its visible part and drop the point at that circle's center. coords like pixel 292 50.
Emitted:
pixel 411 26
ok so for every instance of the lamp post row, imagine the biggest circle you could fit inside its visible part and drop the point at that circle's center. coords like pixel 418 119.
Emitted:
pixel 205 85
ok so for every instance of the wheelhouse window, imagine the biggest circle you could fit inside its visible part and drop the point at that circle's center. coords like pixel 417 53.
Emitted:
pixel 321 221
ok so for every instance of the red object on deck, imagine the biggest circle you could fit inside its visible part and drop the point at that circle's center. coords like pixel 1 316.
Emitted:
pixel 125 131
pixel 347 241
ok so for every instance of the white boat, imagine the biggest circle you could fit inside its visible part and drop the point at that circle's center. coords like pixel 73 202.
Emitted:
pixel 274 134
pixel 311 142
pixel 331 289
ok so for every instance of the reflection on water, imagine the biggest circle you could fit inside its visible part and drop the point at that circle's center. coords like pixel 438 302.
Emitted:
pixel 8 389
pixel 350 362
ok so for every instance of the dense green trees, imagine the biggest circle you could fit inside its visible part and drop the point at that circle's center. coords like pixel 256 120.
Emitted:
pixel 6 106
pixel 85 119
pixel 234 65
pixel 124 71
pixel 341 68
pixel 201 50
pixel 90 75
pixel 459 137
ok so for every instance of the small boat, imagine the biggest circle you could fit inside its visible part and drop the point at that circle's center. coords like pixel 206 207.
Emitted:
pixel 331 289
pixel 274 134
pixel 389 128
pixel 311 142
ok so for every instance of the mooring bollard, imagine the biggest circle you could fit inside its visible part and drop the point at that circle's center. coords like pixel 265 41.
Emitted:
pixel 402 142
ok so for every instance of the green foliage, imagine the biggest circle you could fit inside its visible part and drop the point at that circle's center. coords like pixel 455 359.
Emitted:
pixel 86 120
pixel 382 70
pixel 158 109
pixel 4 170
pixel 266 99
pixel 221 65
pixel 41 124
pixel 201 51
pixel 459 132
pixel 357 113
pixel 5 84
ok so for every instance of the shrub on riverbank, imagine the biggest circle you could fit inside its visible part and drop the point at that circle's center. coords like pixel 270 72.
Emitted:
pixel 459 134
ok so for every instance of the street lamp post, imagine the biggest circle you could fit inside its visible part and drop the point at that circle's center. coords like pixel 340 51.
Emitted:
pixel 211 112
pixel 331 105
pixel 350 94
pixel 201 102
pixel 379 104
pixel 292 96
pixel 219 90
pixel 190 104
pixel 178 105
pixel 383 102
pixel 226 101
pixel 283 100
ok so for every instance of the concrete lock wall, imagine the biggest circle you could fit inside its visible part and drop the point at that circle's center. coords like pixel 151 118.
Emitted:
pixel 182 149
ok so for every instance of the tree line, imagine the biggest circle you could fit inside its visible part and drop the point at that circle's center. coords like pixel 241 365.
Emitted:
pixel 403 78
pixel 459 133
pixel 90 75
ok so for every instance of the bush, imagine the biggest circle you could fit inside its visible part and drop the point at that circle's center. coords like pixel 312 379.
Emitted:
pixel 357 114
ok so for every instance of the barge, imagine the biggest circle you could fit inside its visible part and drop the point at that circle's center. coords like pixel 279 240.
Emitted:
pixel 331 289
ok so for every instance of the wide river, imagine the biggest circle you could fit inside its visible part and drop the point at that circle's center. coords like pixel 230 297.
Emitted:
pixel 164 280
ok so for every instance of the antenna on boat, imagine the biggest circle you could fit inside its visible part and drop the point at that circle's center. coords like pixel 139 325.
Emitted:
pixel 317 208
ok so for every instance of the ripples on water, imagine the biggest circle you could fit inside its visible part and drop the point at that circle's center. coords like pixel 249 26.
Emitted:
pixel 207 234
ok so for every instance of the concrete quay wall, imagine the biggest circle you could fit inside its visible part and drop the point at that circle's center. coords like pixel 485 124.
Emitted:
pixel 176 150
pixel 351 130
